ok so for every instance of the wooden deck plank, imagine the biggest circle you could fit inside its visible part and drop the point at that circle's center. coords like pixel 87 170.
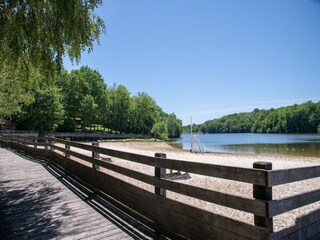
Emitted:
pixel 34 204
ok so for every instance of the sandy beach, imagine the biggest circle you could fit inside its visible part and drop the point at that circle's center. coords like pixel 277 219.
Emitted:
pixel 225 186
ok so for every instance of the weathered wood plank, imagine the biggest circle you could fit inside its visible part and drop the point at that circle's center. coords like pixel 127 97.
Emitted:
pixel 248 205
pixel 35 205
pixel 73 153
pixel 305 227
pixel 279 206
pixel 278 177
pixel 254 176
pixel 153 205
pixel 244 204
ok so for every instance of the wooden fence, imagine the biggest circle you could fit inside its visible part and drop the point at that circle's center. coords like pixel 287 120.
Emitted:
pixel 177 219
pixel 80 136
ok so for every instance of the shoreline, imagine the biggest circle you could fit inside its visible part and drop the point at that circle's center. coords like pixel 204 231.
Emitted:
pixel 150 147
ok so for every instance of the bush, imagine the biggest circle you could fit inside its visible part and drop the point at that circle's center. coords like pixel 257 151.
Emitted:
pixel 160 131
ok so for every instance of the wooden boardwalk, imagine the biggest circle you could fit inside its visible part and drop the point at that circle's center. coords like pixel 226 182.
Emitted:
pixel 38 202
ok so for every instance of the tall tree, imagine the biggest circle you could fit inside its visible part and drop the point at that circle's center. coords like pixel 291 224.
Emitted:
pixel 119 107
pixel 35 35
pixel 160 131
pixel 144 113
pixel 45 113
pixel 88 111
pixel 13 96
pixel 174 126
pixel 82 88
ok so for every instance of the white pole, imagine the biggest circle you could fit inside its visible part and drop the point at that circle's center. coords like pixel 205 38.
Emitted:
pixel 191 135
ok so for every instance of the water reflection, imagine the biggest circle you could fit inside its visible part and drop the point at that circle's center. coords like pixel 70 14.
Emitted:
pixel 277 144
pixel 293 149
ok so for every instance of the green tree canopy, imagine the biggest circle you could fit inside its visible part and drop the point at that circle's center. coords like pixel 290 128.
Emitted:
pixel 302 118
pixel 34 37
pixel 144 113
pixel 174 126
pixel 83 88
pixel 160 131
pixel 119 109
pixel 86 100
pixel 45 113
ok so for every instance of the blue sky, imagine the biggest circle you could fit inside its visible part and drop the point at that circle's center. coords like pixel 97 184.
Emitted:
pixel 207 58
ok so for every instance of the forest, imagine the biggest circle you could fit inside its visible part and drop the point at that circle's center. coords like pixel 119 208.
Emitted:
pixel 82 101
pixel 298 118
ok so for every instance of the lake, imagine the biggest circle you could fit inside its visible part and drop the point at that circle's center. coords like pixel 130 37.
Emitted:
pixel 251 143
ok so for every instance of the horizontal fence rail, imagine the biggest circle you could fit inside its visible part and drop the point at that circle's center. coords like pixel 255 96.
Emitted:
pixel 168 214
pixel 254 176
pixel 283 176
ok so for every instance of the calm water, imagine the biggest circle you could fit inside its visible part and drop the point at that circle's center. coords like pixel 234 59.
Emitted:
pixel 278 144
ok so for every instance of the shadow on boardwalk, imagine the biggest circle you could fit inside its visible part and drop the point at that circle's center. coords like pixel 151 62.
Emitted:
pixel 33 206
pixel 27 213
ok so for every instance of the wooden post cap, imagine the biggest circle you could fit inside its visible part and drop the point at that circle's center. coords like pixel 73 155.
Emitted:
pixel 160 155
pixel 263 165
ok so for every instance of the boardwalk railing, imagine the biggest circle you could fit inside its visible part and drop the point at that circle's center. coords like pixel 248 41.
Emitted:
pixel 82 136
pixel 175 218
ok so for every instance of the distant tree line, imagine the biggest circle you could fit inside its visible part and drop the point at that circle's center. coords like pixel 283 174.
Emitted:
pixel 82 100
pixel 303 118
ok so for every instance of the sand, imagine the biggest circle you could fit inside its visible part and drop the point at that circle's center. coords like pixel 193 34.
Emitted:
pixel 225 186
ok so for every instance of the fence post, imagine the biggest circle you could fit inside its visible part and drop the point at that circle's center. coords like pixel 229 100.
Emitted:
pixel 263 193
pixel 35 141
pixel 67 155
pixel 160 173
pixel 46 141
pixel 51 142
pixel 95 155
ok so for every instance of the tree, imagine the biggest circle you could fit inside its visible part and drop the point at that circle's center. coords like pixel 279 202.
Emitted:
pixel 119 106
pixel 13 96
pixel 82 88
pixel 160 131
pixel 303 118
pixel 45 113
pixel 74 89
pixel 174 126
pixel 144 113
pixel 88 111
pixel 35 35
pixel 98 90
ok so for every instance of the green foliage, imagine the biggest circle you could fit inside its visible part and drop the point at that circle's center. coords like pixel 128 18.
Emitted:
pixel 34 37
pixel 88 110
pixel 68 125
pixel 84 95
pixel 40 33
pixel 88 102
pixel 235 123
pixel 160 131
pixel 303 118
pixel 119 107
pixel 143 113
pixel 174 126
pixel 45 114
pixel 13 95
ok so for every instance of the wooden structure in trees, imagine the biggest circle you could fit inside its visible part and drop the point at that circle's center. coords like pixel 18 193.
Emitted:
pixel 7 125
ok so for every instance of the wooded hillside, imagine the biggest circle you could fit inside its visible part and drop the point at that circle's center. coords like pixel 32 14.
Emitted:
pixel 303 118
